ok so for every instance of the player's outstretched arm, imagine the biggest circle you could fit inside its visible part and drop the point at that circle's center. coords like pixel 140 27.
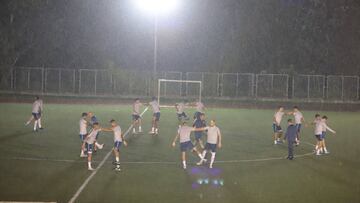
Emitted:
pixel 175 139
pixel 198 129
pixel 219 139
pixel 106 129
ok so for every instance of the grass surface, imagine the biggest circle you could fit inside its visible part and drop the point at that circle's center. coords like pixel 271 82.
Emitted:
pixel 45 166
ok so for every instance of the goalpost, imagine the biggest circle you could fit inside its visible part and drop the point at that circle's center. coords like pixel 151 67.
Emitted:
pixel 180 82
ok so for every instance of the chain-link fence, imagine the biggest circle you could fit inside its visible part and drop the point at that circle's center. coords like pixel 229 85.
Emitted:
pixel 344 88
pixel 272 86
pixel 130 83
pixel 308 87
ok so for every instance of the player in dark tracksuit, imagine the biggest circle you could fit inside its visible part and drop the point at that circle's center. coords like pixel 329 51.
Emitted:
pixel 290 136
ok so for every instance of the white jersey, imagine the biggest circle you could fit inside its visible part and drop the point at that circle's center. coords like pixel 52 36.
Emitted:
pixel 83 124
pixel 212 134
pixel 184 132
pixel 278 116
pixel 37 106
pixel 90 139
pixel 318 127
pixel 298 117
pixel 325 127
pixel 117 134
pixel 155 106
pixel 200 107
pixel 180 108
pixel 136 108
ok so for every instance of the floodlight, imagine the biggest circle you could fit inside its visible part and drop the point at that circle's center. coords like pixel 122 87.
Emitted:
pixel 156 7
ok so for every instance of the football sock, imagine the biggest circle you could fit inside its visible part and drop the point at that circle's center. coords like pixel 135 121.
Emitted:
pixel 184 164
pixel 140 129
pixel 89 164
pixel 204 154
pixel 134 130
pixel 152 129
pixel 212 158
pixel 117 159
pixel 39 122
pixel 35 124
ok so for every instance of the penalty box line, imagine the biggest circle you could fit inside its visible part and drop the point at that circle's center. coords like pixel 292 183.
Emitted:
pixel 86 182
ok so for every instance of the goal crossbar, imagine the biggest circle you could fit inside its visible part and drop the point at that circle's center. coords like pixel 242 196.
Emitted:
pixel 179 81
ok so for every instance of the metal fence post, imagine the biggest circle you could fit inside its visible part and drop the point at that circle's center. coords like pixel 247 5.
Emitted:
pixel 324 86
pixel 28 79
pixel 80 81
pixel 222 85
pixel 308 86
pixel 95 76
pixel 342 87
pixel 287 86
pixel 293 87
pixel 272 85
pixel 237 85
pixel 256 85
pixel 59 84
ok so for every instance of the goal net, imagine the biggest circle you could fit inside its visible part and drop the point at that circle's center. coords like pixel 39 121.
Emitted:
pixel 175 90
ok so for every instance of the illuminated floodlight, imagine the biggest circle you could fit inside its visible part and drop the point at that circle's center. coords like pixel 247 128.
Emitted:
pixel 157 7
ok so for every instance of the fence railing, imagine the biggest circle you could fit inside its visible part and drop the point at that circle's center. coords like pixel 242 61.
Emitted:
pixel 214 85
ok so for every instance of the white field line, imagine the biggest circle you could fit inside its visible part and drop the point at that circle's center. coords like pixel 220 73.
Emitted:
pixel 158 162
pixel 82 187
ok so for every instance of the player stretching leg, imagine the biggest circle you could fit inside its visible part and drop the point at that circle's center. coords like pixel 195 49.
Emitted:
pixel 83 132
pixel 37 109
pixel 185 143
pixel 136 115
pixel 213 141
pixel 299 119
pixel 156 116
pixel 89 143
pixel 199 123
pixel 276 124
pixel 200 108
pixel 91 120
pixel 323 134
pixel 118 140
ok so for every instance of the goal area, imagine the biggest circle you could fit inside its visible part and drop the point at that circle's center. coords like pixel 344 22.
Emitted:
pixel 170 90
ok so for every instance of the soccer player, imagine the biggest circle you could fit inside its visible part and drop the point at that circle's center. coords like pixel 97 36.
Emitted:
pixel 83 132
pixel 299 119
pixel 118 140
pixel 277 124
pixel 200 108
pixel 213 141
pixel 184 132
pixel 136 115
pixel 180 111
pixel 317 132
pixel 199 123
pixel 156 116
pixel 37 109
pixel 290 136
pixel 323 134
pixel 91 120
pixel 89 143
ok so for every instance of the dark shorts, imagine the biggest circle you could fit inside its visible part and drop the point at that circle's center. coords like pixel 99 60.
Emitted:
pixel 323 135
pixel 89 148
pixel 135 117
pixel 117 145
pixel 211 147
pixel 198 135
pixel 156 116
pixel 181 115
pixel 298 127
pixel 318 137
pixel 276 128
pixel 36 115
pixel 185 146
pixel 197 115
pixel 82 137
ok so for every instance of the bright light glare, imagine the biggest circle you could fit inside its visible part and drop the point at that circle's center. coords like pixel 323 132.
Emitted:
pixel 157 7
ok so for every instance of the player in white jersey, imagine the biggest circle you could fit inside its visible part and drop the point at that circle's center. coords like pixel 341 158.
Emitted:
pixel 213 141
pixel 156 116
pixel 136 115
pixel 277 124
pixel 118 140
pixel 299 119
pixel 91 118
pixel 89 143
pixel 324 127
pixel 200 108
pixel 184 133
pixel 180 111
pixel 317 132
pixel 83 132
pixel 37 109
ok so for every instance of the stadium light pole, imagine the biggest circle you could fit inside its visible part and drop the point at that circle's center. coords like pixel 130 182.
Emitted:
pixel 156 8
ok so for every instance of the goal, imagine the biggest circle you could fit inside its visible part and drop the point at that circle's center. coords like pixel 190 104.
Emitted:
pixel 175 89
